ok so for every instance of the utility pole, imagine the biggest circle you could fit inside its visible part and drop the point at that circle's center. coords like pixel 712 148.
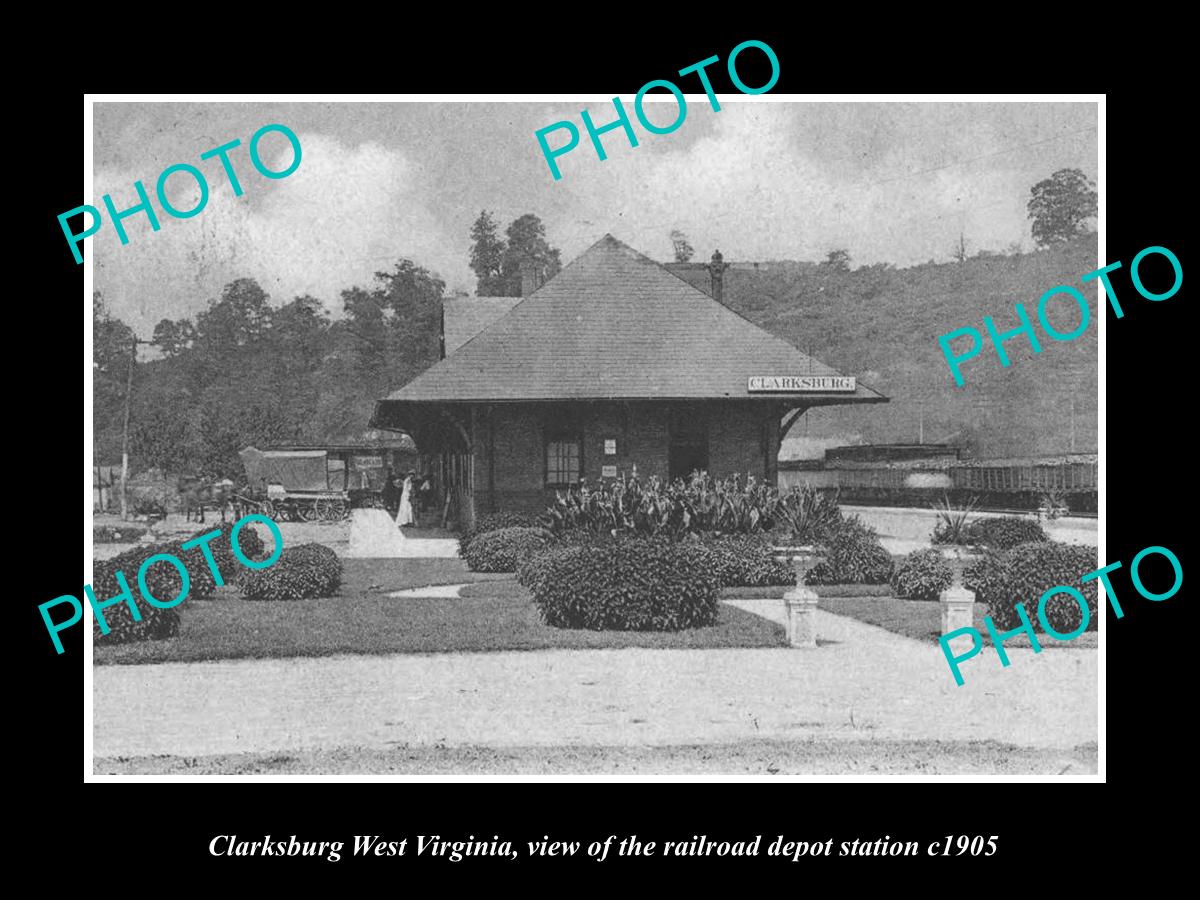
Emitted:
pixel 1072 424
pixel 125 428
pixel 960 251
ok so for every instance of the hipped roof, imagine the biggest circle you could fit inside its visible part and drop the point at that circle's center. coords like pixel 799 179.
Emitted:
pixel 614 324
pixel 465 317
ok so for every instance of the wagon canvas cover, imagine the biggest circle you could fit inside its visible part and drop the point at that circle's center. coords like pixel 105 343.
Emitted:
pixel 296 470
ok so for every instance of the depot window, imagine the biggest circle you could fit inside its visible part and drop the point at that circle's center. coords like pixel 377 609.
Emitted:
pixel 564 458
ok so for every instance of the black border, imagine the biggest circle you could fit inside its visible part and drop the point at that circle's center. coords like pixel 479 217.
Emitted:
pixel 1148 466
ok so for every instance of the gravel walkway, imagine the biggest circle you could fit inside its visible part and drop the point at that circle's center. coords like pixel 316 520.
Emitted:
pixel 374 535
pixel 861 683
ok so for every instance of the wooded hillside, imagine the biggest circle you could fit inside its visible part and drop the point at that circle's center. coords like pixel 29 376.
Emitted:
pixel 881 324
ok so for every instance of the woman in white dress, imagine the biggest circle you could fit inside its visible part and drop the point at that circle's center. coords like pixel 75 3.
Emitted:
pixel 405 516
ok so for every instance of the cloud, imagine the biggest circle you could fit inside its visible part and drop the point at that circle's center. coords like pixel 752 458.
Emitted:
pixel 759 185
pixel 894 183
pixel 344 214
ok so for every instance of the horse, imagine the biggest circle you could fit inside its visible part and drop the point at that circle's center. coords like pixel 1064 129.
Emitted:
pixel 197 493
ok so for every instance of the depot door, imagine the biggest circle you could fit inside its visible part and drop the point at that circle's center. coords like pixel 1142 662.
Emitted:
pixel 688 450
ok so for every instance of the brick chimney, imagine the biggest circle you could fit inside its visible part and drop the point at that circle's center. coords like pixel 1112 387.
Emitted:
pixel 529 280
pixel 716 269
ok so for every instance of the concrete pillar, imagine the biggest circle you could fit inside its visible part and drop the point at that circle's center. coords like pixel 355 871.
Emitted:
pixel 958 606
pixel 801 604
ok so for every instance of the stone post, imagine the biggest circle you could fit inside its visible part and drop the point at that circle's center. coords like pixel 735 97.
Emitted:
pixel 958 605
pixel 801 605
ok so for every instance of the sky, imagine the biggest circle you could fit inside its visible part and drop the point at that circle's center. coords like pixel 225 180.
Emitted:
pixel 758 180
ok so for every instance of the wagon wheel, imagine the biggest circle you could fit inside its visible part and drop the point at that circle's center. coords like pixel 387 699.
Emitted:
pixel 328 510
pixel 267 508
pixel 310 513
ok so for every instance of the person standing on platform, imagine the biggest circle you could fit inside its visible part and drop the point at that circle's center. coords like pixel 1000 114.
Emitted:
pixel 391 494
pixel 405 516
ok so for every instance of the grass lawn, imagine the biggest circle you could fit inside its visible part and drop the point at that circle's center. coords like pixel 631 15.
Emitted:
pixel 362 620
pixel 922 620
pixel 367 576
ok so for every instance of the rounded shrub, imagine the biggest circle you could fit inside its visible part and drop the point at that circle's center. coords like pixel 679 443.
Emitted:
pixel 249 541
pixel 632 585
pixel 855 556
pixel 1024 573
pixel 1004 532
pixel 162 578
pixel 504 549
pixel 163 582
pixel 303 572
pixel 922 575
pixel 537 566
pixel 494 522
pixel 986 576
pixel 743 561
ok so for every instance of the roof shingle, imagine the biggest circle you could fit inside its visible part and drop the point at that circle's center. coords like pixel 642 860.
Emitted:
pixel 465 317
pixel 616 324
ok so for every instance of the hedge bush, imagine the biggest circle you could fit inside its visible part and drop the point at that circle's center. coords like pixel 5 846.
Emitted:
pixel 494 522
pixel 1005 532
pixel 855 556
pixel 1024 573
pixel 743 561
pixel 249 541
pixel 156 624
pixel 986 577
pixel 164 582
pixel 535 567
pixel 922 575
pixel 303 572
pixel 632 585
pixel 504 549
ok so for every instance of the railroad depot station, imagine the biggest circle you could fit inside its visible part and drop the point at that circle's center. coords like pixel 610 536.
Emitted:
pixel 615 366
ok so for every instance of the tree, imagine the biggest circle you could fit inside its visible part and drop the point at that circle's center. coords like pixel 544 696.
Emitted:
pixel 300 325
pixel 241 316
pixel 112 340
pixel 683 248
pixel 293 350
pixel 527 242
pixel 1060 206
pixel 112 348
pixel 392 331
pixel 838 260
pixel 487 255
pixel 173 337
